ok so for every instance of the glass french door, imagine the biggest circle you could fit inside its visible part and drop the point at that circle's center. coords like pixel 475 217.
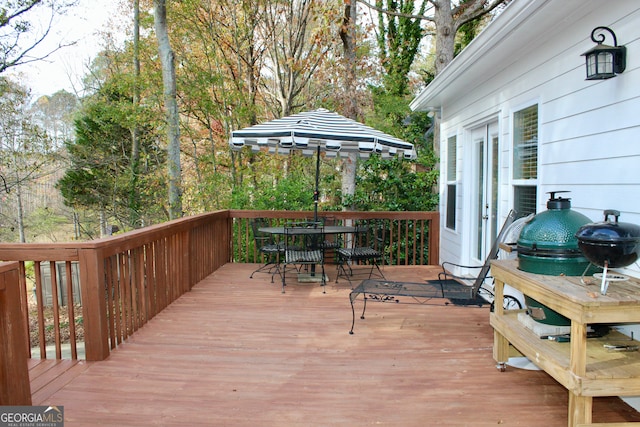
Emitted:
pixel 485 199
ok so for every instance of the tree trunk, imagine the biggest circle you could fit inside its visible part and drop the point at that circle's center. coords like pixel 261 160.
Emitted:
pixel 134 203
pixel 445 48
pixel 445 34
pixel 171 107
pixel 23 238
pixel 76 225
pixel 348 34
pixel 103 222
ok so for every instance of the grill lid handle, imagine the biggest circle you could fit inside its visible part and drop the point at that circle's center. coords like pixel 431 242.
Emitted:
pixel 558 202
pixel 613 212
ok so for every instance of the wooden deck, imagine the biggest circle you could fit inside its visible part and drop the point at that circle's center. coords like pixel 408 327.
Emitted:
pixel 236 351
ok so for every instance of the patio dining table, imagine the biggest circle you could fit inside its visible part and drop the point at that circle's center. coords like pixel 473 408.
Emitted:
pixel 321 231
pixel 327 229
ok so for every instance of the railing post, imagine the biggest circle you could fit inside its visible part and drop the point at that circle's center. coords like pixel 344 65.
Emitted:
pixel 434 240
pixel 15 388
pixel 94 300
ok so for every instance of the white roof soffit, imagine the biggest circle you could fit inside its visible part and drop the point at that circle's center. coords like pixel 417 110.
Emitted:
pixel 530 19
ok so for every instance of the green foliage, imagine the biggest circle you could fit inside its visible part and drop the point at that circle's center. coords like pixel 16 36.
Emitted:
pixel 44 222
pixel 391 185
pixel 468 32
pixel 399 37
pixel 99 176
pixel 397 184
pixel 276 190
pixel 225 82
pixel 26 156
pixel 8 226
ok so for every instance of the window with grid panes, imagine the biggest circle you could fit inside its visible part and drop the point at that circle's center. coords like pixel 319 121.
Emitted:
pixel 524 199
pixel 451 182
pixel 525 143
pixel 525 159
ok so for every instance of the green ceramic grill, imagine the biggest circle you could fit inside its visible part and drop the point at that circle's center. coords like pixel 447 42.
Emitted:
pixel 547 245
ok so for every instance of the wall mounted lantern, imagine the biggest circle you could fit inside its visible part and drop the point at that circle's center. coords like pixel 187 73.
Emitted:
pixel 604 61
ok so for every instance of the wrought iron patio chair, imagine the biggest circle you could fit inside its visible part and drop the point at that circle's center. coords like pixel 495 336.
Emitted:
pixel 480 284
pixel 303 246
pixel 271 250
pixel 361 252
pixel 330 242
pixel 508 250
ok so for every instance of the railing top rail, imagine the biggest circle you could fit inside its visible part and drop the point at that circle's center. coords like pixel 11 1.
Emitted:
pixel 68 251
pixel 426 215
pixel 38 252
pixel 8 266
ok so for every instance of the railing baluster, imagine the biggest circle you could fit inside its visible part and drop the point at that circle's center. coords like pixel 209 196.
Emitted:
pixel 138 306
pixel 111 298
pixel 71 311
pixel 127 298
pixel 40 303
pixel 162 274
pixel 55 304
pixel 152 280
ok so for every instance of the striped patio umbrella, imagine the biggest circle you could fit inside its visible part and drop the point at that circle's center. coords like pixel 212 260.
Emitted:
pixel 318 131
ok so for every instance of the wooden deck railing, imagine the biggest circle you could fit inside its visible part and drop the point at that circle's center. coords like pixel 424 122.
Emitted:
pixel 124 281
pixel 409 238
pixel 100 292
pixel 14 376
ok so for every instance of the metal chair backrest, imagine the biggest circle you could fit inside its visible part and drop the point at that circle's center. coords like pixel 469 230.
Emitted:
pixel 493 253
pixel 259 237
pixel 295 235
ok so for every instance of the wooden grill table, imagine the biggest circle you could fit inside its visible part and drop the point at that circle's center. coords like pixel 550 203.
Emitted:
pixel 583 366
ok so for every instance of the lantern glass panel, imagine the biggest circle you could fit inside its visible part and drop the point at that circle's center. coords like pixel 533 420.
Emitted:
pixel 592 65
pixel 605 63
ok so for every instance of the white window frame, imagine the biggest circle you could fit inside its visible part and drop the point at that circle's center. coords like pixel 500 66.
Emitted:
pixel 524 182
pixel 451 183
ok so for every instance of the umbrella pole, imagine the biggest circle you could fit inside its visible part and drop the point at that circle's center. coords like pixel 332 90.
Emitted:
pixel 316 196
pixel 316 193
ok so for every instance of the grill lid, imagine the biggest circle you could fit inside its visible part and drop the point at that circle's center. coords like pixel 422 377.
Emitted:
pixel 610 243
pixel 609 231
pixel 552 232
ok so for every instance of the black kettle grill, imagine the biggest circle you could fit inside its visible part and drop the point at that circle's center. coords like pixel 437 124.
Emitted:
pixel 609 244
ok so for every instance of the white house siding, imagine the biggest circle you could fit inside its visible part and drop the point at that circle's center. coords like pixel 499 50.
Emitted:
pixel 589 131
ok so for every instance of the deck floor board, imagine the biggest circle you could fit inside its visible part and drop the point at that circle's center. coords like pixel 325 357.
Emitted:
pixel 236 351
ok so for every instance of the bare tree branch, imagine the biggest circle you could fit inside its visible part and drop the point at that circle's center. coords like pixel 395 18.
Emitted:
pixel 24 8
pixel 466 12
pixel 4 182
pixel 15 23
pixel 399 14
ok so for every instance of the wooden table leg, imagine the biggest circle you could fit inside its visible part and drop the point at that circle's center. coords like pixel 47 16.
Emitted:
pixel 500 343
pixel 500 350
pixel 580 410
pixel 580 407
